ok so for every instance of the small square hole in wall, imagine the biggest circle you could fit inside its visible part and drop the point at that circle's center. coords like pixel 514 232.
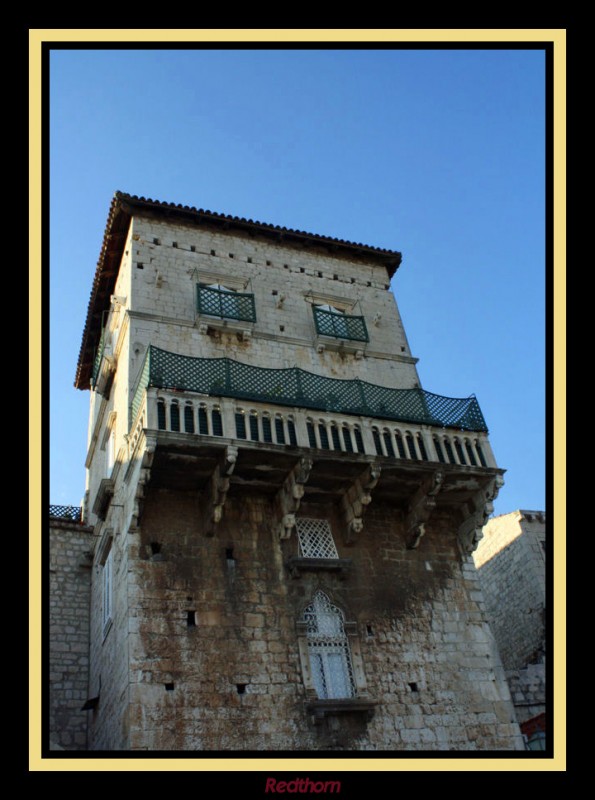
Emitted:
pixel 169 687
pixel 140 266
pixel 155 548
pixel 369 630
pixel 213 253
pixel 231 255
pixel 320 274
pixel 192 248
pixel 249 260
pixel 174 244
pixel 368 283
pixel 268 263
pixel 402 349
pixel 413 686
pixel 281 328
pixel 302 269
pixel 241 688
pixel 229 553
pixel 335 277
pixel 156 241
pixel 274 291
pixel 353 280
pixel 191 619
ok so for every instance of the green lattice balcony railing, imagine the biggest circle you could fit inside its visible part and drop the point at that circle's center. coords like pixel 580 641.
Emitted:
pixel 72 513
pixel 98 357
pixel 341 326
pixel 223 377
pixel 225 304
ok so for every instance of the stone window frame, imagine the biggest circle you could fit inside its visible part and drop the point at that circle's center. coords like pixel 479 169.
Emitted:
pixel 317 563
pixel 357 665
pixel 105 562
pixel 339 305
pixel 306 548
pixel 226 282
pixel 108 443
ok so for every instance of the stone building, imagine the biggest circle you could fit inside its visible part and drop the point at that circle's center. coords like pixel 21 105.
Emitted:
pixel 511 563
pixel 70 558
pixel 283 519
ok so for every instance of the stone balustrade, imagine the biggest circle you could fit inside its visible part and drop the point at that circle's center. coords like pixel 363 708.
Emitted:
pixel 203 415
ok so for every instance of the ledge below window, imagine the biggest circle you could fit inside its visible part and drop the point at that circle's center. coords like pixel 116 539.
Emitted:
pixel 103 498
pixel 209 325
pixel 322 343
pixel 349 705
pixel 297 565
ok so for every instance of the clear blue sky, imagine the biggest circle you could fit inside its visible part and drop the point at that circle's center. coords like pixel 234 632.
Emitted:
pixel 438 154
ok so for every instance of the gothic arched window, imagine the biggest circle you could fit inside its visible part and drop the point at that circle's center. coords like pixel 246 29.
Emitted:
pixel 328 649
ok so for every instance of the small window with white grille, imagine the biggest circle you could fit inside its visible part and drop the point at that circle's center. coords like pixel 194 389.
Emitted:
pixel 328 649
pixel 315 538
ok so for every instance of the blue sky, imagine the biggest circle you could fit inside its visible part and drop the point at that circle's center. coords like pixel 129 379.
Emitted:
pixel 437 153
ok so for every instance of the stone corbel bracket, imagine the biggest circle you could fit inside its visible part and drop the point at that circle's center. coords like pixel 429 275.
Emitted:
pixel 477 512
pixel 421 508
pixel 356 499
pixel 214 495
pixel 143 480
pixel 290 495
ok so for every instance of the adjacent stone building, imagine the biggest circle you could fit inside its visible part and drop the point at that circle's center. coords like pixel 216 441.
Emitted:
pixel 283 519
pixel 70 557
pixel 511 563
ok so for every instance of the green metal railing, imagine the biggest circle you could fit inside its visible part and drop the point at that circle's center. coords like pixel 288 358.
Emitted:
pixel 98 357
pixel 225 304
pixel 341 326
pixel 223 377
pixel 72 513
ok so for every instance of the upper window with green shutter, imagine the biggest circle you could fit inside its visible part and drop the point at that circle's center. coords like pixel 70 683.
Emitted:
pixel 218 300
pixel 333 321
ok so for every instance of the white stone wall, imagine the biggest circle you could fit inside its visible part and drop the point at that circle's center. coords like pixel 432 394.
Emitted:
pixel 164 301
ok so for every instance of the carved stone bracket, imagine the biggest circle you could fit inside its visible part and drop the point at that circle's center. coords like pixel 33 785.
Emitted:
pixel 215 493
pixel 356 499
pixel 143 480
pixel 477 512
pixel 290 495
pixel 420 509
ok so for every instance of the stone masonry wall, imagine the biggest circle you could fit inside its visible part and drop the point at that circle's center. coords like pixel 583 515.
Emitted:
pixel 511 563
pixel 109 673
pixel 163 290
pixel 214 662
pixel 528 690
pixel 70 583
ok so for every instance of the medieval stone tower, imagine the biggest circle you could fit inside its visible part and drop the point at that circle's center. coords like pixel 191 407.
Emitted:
pixel 282 517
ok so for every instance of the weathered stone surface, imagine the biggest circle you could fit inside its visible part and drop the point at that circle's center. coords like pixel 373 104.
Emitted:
pixel 511 568
pixel 70 552
pixel 203 644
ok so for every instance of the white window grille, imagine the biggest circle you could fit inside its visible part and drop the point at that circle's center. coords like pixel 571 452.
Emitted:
pixel 328 648
pixel 315 538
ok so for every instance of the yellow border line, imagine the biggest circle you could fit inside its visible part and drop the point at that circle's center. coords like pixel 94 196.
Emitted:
pixel 233 764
